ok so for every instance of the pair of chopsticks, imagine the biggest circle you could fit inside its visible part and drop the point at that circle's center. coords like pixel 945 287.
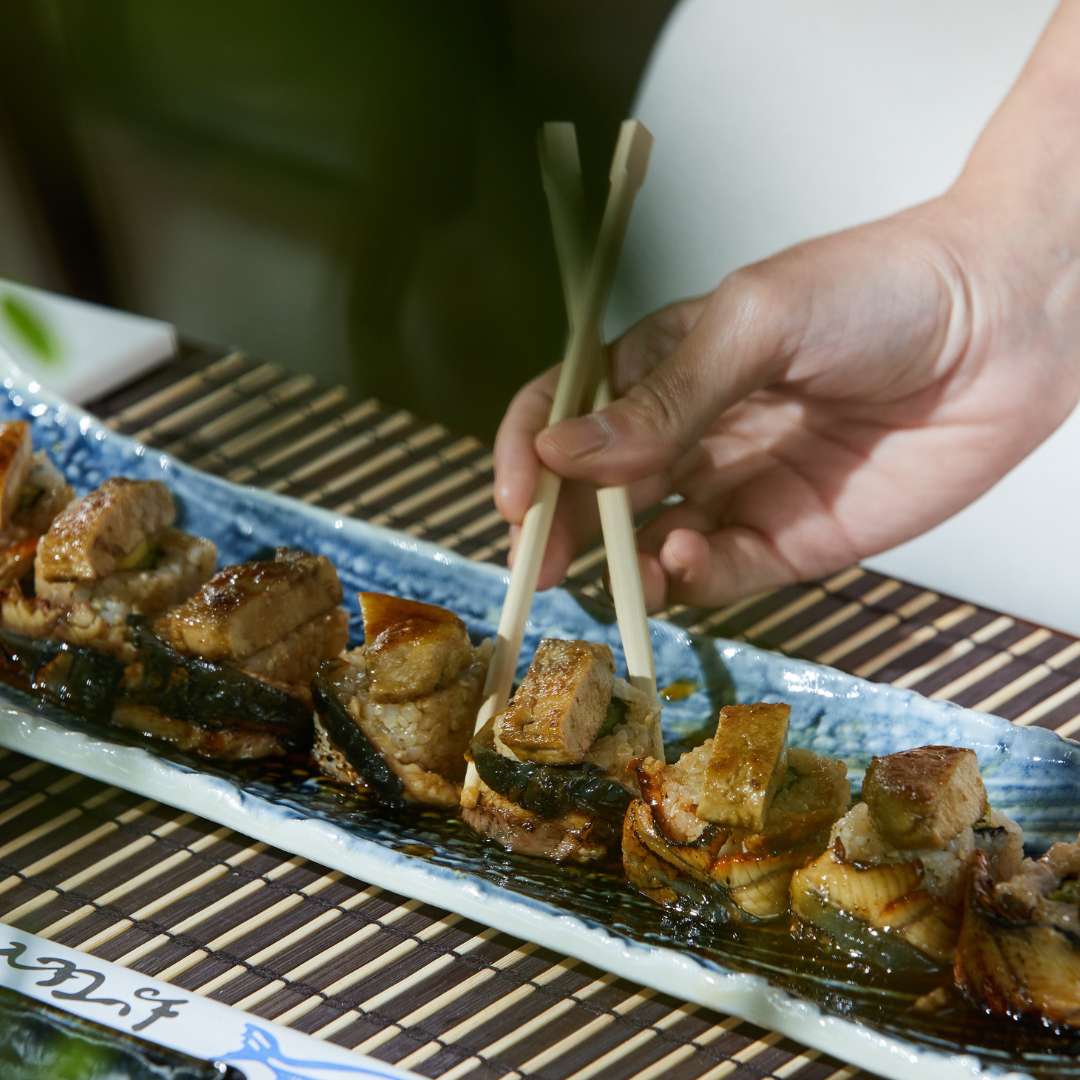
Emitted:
pixel 583 378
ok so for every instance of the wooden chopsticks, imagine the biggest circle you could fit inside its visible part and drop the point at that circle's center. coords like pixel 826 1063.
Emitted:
pixel 586 285
pixel 561 167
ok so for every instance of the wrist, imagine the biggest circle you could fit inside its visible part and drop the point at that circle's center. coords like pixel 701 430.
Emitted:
pixel 1018 269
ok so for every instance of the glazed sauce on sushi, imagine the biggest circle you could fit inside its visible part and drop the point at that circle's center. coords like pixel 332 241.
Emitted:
pixel 679 690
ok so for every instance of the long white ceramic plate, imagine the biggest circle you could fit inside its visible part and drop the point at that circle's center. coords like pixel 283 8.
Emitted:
pixel 1030 773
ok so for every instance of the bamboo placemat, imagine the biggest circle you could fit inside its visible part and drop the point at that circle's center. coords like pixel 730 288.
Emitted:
pixel 177 897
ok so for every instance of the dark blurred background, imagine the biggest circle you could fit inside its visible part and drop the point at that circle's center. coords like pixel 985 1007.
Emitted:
pixel 348 187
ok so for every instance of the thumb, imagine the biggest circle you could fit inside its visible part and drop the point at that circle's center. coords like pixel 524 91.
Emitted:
pixel 734 347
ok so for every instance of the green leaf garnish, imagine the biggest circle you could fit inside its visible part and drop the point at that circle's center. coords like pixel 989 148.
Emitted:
pixel 30 329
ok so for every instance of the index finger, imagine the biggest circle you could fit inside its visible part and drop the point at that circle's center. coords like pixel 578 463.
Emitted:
pixel 516 464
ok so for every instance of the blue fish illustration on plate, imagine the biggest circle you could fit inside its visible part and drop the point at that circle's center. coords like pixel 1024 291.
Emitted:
pixel 262 1058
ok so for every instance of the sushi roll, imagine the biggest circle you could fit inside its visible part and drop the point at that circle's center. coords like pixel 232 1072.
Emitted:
pixel 725 827
pixel 278 618
pixel 102 558
pixel 897 862
pixel 395 715
pixel 227 673
pixel 1019 950
pixel 557 766
pixel 32 493
pixel 116 551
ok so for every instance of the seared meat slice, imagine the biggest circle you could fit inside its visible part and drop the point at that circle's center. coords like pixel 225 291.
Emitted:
pixel 748 763
pixel 557 768
pixel 422 742
pixel 410 648
pixel 668 846
pixel 561 704
pixel 815 792
pixel 922 798
pixel 403 751
pixel 177 565
pixel 15 452
pixel 296 657
pixel 1019 951
pixel 98 533
pixel 245 608
pixel 368 733
pixel 813 795
pixel 573 837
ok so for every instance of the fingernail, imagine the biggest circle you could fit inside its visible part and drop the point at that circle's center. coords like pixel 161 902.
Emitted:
pixel 581 437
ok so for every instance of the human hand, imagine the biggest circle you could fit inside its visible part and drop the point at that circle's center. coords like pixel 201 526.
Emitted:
pixel 820 406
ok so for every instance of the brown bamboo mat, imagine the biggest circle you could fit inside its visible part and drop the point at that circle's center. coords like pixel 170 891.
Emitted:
pixel 180 898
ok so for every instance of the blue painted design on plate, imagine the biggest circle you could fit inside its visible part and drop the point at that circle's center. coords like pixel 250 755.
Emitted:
pixel 260 1047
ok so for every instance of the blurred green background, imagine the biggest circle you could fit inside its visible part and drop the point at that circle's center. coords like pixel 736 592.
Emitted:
pixel 348 187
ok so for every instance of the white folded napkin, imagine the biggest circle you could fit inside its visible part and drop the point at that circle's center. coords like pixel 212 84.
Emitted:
pixel 77 350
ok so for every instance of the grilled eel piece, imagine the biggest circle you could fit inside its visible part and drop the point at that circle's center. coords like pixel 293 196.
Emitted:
pixel 556 767
pixel 215 710
pixel 115 550
pixel 1019 950
pixel 32 493
pixel 897 862
pixel 226 673
pixel 210 709
pixel 681 860
pixel 395 715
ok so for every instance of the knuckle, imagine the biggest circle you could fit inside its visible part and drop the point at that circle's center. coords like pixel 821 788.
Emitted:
pixel 766 307
pixel 751 296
